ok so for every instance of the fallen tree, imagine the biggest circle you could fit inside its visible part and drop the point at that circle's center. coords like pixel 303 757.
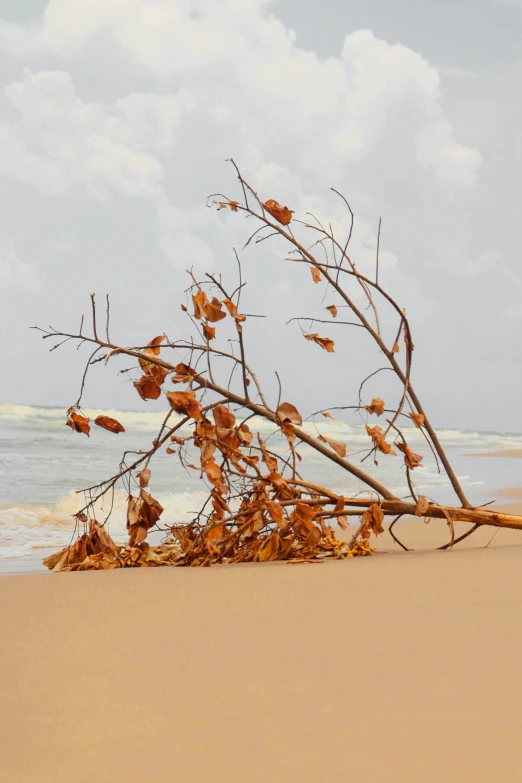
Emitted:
pixel 259 506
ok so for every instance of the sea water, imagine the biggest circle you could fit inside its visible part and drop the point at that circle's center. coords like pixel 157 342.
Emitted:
pixel 44 466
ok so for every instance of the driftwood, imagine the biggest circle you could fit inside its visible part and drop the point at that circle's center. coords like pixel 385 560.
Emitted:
pixel 259 506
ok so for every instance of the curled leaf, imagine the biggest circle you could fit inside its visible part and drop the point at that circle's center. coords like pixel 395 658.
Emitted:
pixel 281 214
pixel 336 445
pixel 185 403
pixel 332 309
pixel 288 412
pixel 223 417
pixel 209 332
pixel 77 422
pixel 147 388
pixel 373 518
pixel 109 424
pixel 417 418
pixel 377 406
pixel 316 275
pixel 411 460
pixel 144 477
pixel 184 374
pixel 203 308
pixel 379 441
pixel 324 342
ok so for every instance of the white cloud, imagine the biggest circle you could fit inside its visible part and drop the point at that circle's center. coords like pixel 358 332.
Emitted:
pixel 253 82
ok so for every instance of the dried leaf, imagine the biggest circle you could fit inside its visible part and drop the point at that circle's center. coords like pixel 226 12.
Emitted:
pixel 313 538
pixel 288 431
pixel 144 477
pixel 229 304
pixel 109 424
pixel 379 441
pixel 377 406
pixel 417 418
pixel 186 403
pixel 411 460
pixel 184 374
pixel 337 446
pixel 316 275
pixel 152 350
pixel 333 310
pixel 147 388
pixel 324 342
pixel 244 435
pixel 281 214
pixel 223 417
pixel 342 522
pixel 276 511
pixel 215 532
pixel 209 332
pixel 422 506
pixel 339 506
pixel 77 422
pixel 203 308
pixel 270 550
pixel 328 415
pixel 267 458
pixel 373 518
pixel 395 348
pixel 288 412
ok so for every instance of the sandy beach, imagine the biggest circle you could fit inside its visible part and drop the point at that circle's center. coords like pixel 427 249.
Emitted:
pixel 399 667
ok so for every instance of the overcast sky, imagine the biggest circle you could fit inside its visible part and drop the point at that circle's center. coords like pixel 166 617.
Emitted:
pixel 116 117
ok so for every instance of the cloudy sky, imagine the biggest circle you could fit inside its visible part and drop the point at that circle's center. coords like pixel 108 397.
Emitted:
pixel 116 117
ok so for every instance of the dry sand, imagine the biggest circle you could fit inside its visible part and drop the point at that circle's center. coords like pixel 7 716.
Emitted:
pixel 512 453
pixel 399 667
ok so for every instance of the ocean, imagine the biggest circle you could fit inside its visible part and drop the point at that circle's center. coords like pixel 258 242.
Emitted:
pixel 43 465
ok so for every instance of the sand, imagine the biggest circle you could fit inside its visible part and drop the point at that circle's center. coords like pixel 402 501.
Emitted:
pixel 399 667
pixel 510 453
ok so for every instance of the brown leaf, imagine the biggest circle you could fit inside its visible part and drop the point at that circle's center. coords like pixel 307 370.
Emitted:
pixel 379 441
pixel 342 522
pixel 422 506
pixel 373 518
pixel 184 374
pixel 244 435
pixel 229 304
pixel 109 424
pixel 77 422
pixel 313 538
pixel 267 458
pixel 142 514
pixel 270 550
pixel 209 332
pixel 149 368
pixel 281 214
pixel 377 406
pixel 276 511
pixel 144 477
pixel 324 342
pixel 147 388
pixel 287 411
pixel 417 418
pixel 339 506
pixel 333 310
pixel 316 275
pixel 186 403
pixel 395 348
pixel 215 476
pixel 411 460
pixel 203 308
pixel 288 431
pixel 215 532
pixel 223 417
pixel 337 446
pixel 328 415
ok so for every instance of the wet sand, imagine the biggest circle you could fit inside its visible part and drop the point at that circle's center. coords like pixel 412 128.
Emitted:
pixel 398 667
pixel 508 453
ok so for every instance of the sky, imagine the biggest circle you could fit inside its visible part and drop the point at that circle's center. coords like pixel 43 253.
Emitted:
pixel 116 119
